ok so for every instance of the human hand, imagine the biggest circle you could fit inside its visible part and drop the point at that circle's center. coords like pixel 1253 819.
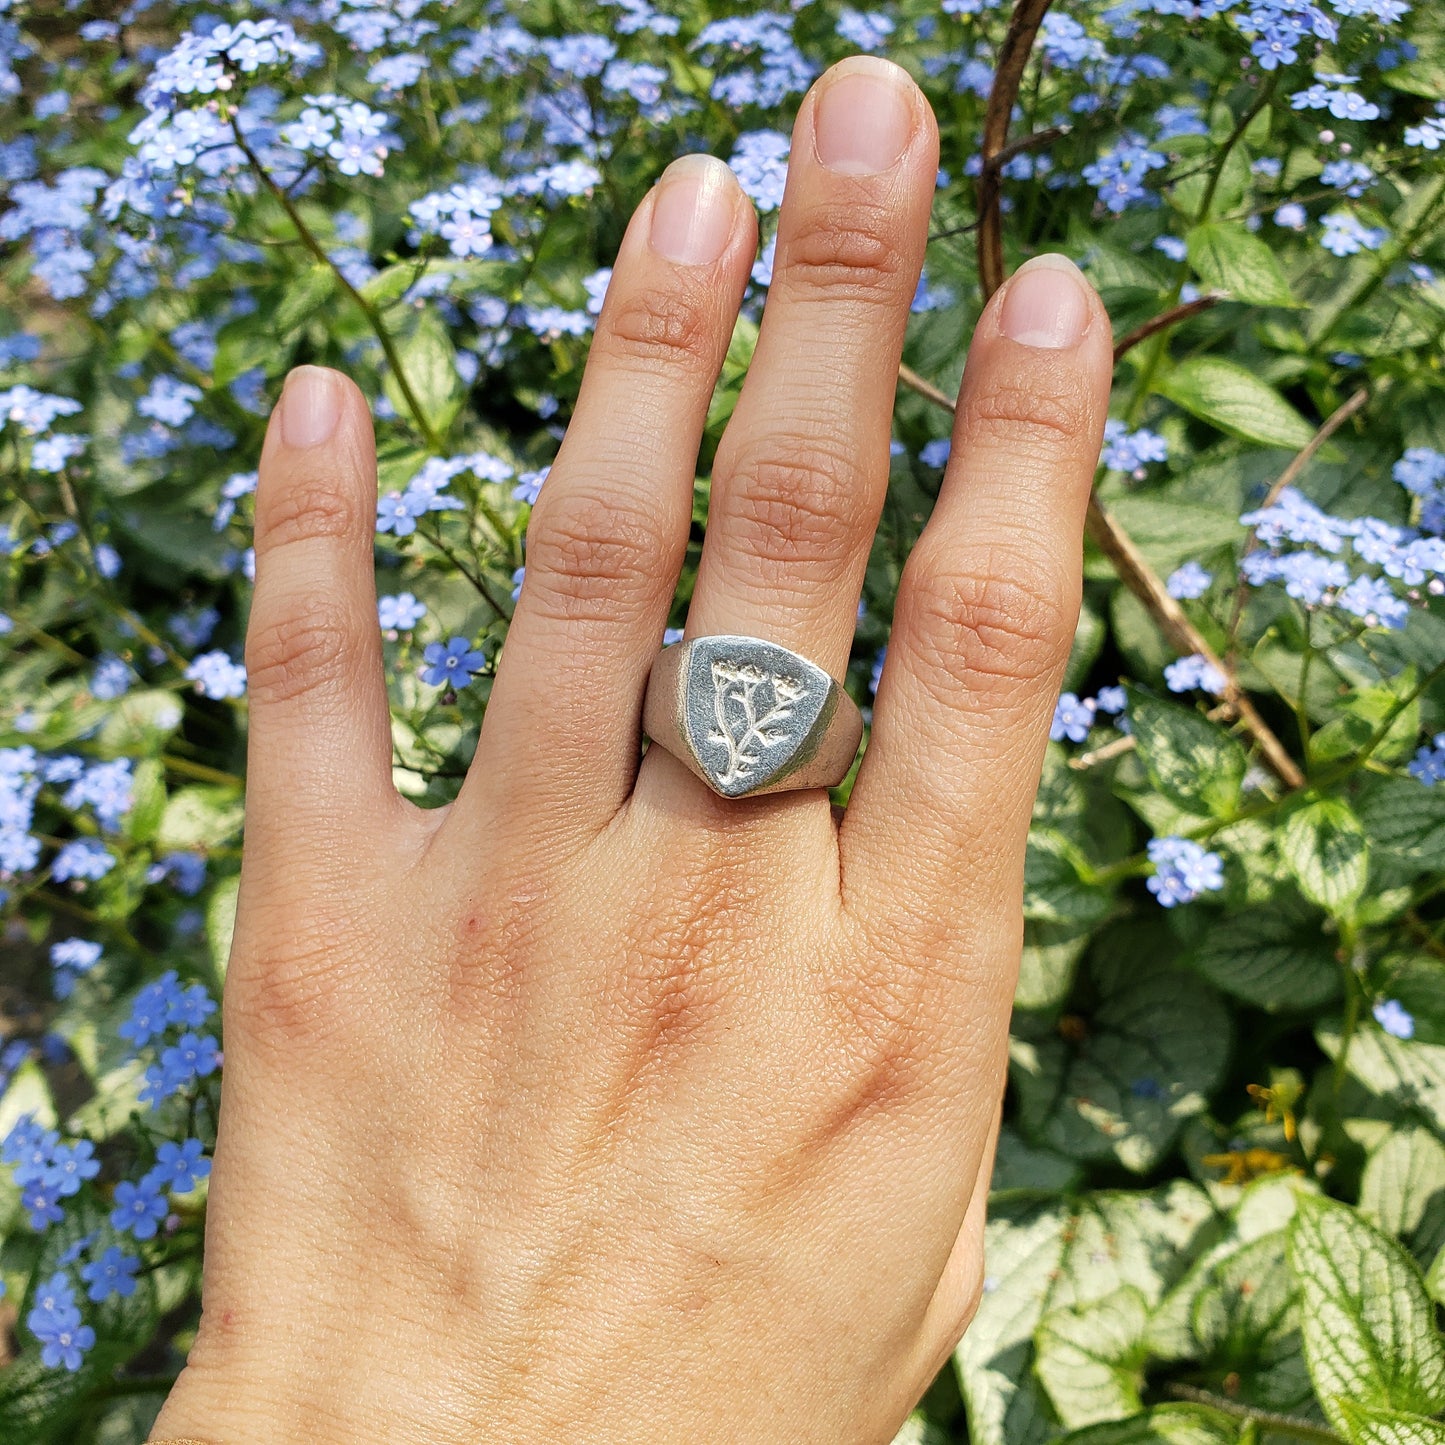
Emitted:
pixel 594 1106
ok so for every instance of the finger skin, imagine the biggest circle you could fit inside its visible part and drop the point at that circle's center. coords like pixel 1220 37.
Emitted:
pixel 319 747
pixel 986 613
pixel 561 740
pixel 801 472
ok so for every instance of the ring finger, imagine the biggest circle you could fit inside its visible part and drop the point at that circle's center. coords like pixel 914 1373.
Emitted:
pixel 801 472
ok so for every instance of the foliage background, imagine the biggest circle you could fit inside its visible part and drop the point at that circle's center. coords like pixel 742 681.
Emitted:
pixel 1219 1207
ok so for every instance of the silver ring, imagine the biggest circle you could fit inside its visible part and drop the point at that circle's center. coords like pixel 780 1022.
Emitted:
pixel 750 717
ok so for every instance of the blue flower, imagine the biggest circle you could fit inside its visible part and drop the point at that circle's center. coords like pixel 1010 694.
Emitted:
pixel 399 613
pixel 1345 235
pixel 180 1167
pixel 1428 764
pixel 139 1208
pixel 1118 174
pixel 760 162
pixel 864 31
pixel 1072 719
pixel 1182 870
pixel 70 1166
pixel 112 1274
pixel 1111 701
pixel 81 858
pixel 1127 451
pixel 1188 582
pixel 936 452
pixel 452 665
pixel 1394 1018
pixel 529 486
pixel 1195 671
pixel 55 1322
pixel 216 676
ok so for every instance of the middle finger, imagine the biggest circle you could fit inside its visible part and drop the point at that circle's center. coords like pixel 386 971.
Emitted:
pixel 801 471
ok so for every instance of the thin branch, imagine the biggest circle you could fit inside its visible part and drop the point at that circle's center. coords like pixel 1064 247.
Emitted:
pixel 1290 1425
pixel 1306 454
pixel 1165 319
pixel 1013 57
pixel 373 317
pixel 1141 579
pixel 1038 139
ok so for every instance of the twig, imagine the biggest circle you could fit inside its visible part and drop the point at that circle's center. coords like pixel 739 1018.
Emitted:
pixel 1039 138
pixel 1013 56
pixel 1290 1425
pixel 1141 579
pixel 1306 454
pixel 373 317
pixel 1165 319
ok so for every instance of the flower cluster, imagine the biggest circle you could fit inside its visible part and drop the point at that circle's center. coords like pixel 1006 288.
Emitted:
pixel 1183 870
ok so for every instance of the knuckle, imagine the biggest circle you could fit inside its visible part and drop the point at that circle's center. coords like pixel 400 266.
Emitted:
pixel 1000 614
pixel 794 500
pixel 306 649
pixel 594 554
pixel 660 328
pixel 293 991
pixel 1034 417
pixel 847 250
pixel 306 507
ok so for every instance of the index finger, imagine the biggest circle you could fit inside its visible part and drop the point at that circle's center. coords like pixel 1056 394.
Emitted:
pixel 937 822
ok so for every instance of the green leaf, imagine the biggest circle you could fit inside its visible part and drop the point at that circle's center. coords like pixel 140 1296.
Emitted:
pixel 299 301
pixel 1327 853
pixel 1146 1058
pixel 1163 1425
pixel 1234 399
pixel 1403 1189
pixel 1056 1256
pixel 1018 1165
pixel 221 922
pixel 1168 531
pixel 1053 890
pixel 1245 1321
pixel 429 362
pixel 1090 1358
pixel 204 816
pixel 1051 954
pixel 1368 1325
pixel 1192 761
pixel 1405 819
pixel 1275 957
pixel 734 368
pixel 1408 1074
pixel 1366 1426
pixel 1228 257
pixel 1435 1279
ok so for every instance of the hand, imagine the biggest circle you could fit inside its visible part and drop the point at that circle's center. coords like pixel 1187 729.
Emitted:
pixel 595 1107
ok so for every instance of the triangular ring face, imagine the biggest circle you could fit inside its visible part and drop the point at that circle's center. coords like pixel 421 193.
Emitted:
pixel 750 711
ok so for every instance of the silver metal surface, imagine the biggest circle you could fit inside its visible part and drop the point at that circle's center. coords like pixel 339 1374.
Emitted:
pixel 750 717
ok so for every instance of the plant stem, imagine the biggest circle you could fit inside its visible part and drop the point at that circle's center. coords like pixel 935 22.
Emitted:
pixel 373 316
pixel 1289 1425
pixel 1013 57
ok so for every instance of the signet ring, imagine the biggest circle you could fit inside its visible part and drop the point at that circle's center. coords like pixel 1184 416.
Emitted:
pixel 750 717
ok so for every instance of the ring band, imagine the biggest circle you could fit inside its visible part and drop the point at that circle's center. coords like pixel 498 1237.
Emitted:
pixel 750 717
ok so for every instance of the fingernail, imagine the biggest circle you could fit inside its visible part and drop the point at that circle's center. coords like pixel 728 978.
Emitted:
pixel 864 116
pixel 310 406
pixel 692 217
pixel 1045 304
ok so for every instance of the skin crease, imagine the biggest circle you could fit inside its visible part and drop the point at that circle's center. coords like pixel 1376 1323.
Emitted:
pixel 594 1106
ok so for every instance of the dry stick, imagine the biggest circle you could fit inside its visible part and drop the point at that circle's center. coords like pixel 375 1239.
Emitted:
pixel 1182 312
pixel 1141 579
pixel 1111 539
pixel 1013 56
